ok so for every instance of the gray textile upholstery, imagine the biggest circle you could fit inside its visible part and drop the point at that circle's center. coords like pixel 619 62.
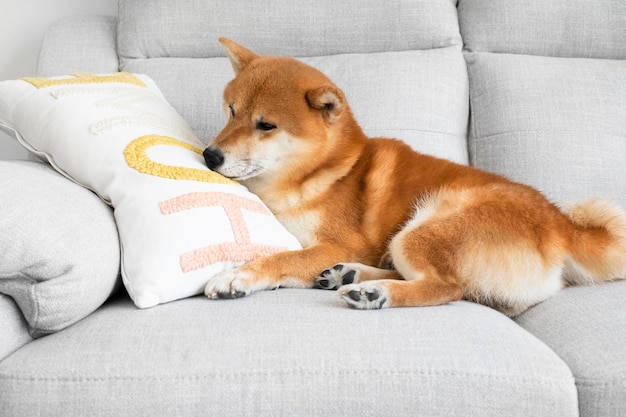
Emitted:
pixel 541 114
pixel 414 81
pixel 428 74
pixel 586 327
pixel 14 327
pixel 572 28
pixel 539 120
pixel 531 89
pixel 87 44
pixel 324 27
pixel 69 265
pixel 288 353
pixel 548 100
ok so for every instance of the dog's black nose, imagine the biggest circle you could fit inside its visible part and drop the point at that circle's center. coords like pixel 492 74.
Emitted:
pixel 213 157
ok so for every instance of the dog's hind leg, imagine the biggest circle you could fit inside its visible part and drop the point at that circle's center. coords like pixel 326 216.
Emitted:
pixel 423 256
pixel 422 286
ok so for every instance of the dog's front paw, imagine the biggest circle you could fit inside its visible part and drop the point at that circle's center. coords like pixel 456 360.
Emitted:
pixel 234 283
pixel 335 277
pixel 368 295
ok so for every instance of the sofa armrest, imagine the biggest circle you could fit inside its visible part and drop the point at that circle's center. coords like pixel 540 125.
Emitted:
pixel 79 44
pixel 59 247
pixel 14 329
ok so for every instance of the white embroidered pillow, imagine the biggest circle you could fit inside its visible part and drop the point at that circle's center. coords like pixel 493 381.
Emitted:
pixel 179 223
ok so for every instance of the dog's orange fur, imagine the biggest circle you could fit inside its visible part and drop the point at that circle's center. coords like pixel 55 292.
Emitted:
pixel 450 231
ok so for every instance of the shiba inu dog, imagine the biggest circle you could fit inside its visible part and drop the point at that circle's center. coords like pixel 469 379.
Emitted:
pixel 383 224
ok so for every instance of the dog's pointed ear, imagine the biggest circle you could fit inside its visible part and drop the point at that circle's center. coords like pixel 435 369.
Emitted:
pixel 329 100
pixel 239 56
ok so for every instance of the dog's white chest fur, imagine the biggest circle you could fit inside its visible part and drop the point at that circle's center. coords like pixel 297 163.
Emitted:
pixel 302 226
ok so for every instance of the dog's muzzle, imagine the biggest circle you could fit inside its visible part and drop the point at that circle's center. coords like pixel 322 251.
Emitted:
pixel 213 157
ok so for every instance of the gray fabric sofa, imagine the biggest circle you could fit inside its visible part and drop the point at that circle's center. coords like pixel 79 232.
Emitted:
pixel 533 90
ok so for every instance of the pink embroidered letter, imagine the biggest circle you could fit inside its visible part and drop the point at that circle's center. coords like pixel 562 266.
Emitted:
pixel 239 250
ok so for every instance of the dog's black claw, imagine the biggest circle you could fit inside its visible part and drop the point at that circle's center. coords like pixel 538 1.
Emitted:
pixel 323 283
pixel 325 273
pixel 334 277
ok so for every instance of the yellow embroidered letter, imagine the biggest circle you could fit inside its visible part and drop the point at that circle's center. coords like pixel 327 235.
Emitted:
pixel 120 77
pixel 137 158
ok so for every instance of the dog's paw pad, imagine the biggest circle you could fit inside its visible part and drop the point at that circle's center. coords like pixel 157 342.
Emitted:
pixel 366 296
pixel 333 278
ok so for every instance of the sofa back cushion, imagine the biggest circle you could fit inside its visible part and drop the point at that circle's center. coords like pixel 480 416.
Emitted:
pixel 548 93
pixel 325 27
pixel 399 63
pixel 572 29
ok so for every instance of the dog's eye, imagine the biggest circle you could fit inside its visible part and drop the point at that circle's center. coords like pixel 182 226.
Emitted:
pixel 265 126
pixel 232 110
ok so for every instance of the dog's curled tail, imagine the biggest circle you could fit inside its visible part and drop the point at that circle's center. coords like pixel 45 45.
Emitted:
pixel 598 245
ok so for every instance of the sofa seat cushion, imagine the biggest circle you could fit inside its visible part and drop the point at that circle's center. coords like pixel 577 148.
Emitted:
pixel 288 352
pixel 586 327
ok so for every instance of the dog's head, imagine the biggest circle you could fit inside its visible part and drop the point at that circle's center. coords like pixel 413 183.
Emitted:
pixel 283 117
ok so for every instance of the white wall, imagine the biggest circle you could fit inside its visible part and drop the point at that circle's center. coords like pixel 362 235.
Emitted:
pixel 22 24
